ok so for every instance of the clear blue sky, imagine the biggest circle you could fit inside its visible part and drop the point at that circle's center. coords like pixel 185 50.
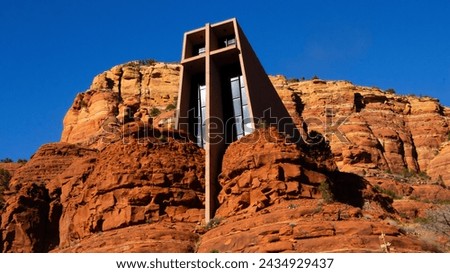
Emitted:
pixel 51 49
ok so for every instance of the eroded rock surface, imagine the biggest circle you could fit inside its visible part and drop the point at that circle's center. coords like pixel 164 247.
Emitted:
pixel 122 180
pixel 67 192
pixel 136 91
pixel 371 129
pixel 271 202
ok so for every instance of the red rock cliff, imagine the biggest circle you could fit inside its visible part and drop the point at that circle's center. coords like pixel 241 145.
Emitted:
pixel 121 180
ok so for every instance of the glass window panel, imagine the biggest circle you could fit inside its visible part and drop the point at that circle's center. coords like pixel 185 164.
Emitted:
pixel 244 96
pixel 203 95
pixel 203 114
pixel 246 112
pixel 204 133
pixel 198 132
pixel 239 129
pixel 237 107
pixel 235 89
pixel 241 80
pixel 238 120
pixel 203 102
pixel 198 110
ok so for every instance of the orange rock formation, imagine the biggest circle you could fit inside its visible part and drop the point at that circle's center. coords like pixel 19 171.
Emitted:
pixel 121 180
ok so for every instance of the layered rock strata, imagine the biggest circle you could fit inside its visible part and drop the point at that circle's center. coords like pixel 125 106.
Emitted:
pixel 68 192
pixel 374 164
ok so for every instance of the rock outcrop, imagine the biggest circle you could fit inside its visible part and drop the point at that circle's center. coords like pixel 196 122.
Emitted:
pixel 136 91
pixel 271 202
pixel 367 127
pixel 439 165
pixel 263 168
pixel 308 226
pixel 11 167
pixel 7 170
pixel 374 167
pixel 68 192
pixel 371 129
pixel 159 237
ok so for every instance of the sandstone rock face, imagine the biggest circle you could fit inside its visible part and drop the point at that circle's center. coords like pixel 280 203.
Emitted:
pixel 129 198
pixel 122 180
pixel 133 91
pixel 49 162
pixel 67 192
pixel 28 222
pixel 412 209
pixel 411 199
pixel 271 202
pixel 367 128
pixel 133 184
pixel 11 167
pixel 263 168
pixel 159 237
pixel 439 165
pixel 307 226
pixel 371 129
pixel 7 171
pixel 31 215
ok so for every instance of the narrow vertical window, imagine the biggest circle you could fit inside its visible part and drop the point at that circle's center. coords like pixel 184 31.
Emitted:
pixel 241 112
pixel 201 114
pixel 248 125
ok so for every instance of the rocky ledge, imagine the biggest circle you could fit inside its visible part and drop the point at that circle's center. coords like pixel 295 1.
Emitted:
pixel 122 180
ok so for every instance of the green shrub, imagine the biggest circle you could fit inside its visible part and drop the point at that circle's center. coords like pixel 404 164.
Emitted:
pixel 318 208
pixel 137 64
pixel 392 194
pixel 5 176
pixel 6 160
pixel 424 175
pixel 262 124
pixel 390 91
pixel 154 112
pixel 171 107
pixel 327 194
pixel 162 138
pixel 407 173
pixel 22 160
pixel 421 220
pixel 214 222
pixel 147 62
pixel 442 202
pixel 387 192
pixel 291 80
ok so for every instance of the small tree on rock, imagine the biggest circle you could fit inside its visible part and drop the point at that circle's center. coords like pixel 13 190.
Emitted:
pixel 6 160
pixel 5 176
